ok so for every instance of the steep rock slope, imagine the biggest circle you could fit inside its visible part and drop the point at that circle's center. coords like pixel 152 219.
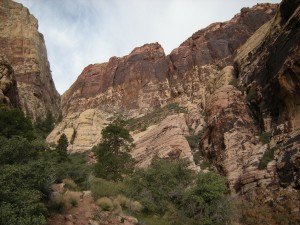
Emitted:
pixel 147 79
pixel 135 83
pixel 269 72
pixel 24 47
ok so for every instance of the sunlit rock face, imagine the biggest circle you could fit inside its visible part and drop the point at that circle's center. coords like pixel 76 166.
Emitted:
pixel 24 48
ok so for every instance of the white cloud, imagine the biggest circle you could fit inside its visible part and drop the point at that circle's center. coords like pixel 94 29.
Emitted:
pixel 81 32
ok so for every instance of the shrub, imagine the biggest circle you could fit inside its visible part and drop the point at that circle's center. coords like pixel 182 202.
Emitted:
pixel 73 202
pixel 267 157
pixel 105 203
pixel 251 95
pixel 265 137
pixel 134 206
pixel 193 141
pixel 57 203
pixel 161 183
pixel 122 200
pixel 204 203
pixel 103 188
pixel 14 123
pixel 234 82
pixel 70 184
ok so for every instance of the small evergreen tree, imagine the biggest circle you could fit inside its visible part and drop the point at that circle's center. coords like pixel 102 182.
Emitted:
pixel 62 146
pixel 112 153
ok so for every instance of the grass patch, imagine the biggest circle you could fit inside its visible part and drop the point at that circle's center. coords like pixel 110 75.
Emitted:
pixel 154 117
pixel 145 219
pixel 103 188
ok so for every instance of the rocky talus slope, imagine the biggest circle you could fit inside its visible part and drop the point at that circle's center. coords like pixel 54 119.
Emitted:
pixel 24 47
pixel 147 79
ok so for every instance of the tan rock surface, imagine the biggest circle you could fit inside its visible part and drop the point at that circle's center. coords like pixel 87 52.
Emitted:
pixel 166 139
pixel 83 130
pixel 24 47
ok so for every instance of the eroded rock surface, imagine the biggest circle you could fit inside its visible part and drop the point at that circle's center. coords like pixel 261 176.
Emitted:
pixel 8 85
pixel 166 139
pixel 24 47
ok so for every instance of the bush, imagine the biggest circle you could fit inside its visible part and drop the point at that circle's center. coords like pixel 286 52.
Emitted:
pixel 265 137
pixel 163 182
pixel 193 141
pixel 105 203
pixel 251 95
pixel 57 203
pixel 73 202
pixel 204 203
pixel 103 188
pixel 14 123
pixel 134 206
pixel 70 184
pixel 234 82
pixel 267 157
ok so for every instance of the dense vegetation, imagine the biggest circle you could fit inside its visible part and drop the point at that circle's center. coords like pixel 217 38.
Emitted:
pixel 167 192
pixel 28 168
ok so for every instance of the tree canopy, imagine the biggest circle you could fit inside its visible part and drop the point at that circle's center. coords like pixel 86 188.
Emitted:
pixel 112 153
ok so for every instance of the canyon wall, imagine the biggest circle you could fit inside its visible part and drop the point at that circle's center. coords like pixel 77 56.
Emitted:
pixel 24 48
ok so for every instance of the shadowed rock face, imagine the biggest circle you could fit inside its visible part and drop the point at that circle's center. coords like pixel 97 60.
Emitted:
pixel 8 85
pixel 23 46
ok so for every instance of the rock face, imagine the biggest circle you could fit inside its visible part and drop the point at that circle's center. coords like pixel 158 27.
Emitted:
pixel 196 75
pixel 166 139
pixel 83 130
pixel 8 85
pixel 24 47
pixel 269 71
pixel 136 83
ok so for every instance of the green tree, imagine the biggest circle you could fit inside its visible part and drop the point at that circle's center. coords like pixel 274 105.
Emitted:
pixel 25 181
pixel 44 127
pixel 204 202
pixel 161 184
pixel 14 123
pixel 62 146
pixel 112 153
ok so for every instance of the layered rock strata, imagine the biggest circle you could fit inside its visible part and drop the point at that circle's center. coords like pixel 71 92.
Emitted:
pixel 24 47
pixel 166 139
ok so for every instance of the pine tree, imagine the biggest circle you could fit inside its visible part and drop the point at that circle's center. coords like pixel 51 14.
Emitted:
pixel 62 146
pixel 112 152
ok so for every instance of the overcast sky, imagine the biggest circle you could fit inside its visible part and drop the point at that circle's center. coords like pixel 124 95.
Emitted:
pixel 83 32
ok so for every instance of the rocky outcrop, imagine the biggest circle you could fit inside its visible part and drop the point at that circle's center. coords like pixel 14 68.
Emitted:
pixel 209 50
pixel 166 139
pixel 269 73
pixel 8 85
pixel 147 79
pixel 24 47
pixel 136 83
pixel 83 130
